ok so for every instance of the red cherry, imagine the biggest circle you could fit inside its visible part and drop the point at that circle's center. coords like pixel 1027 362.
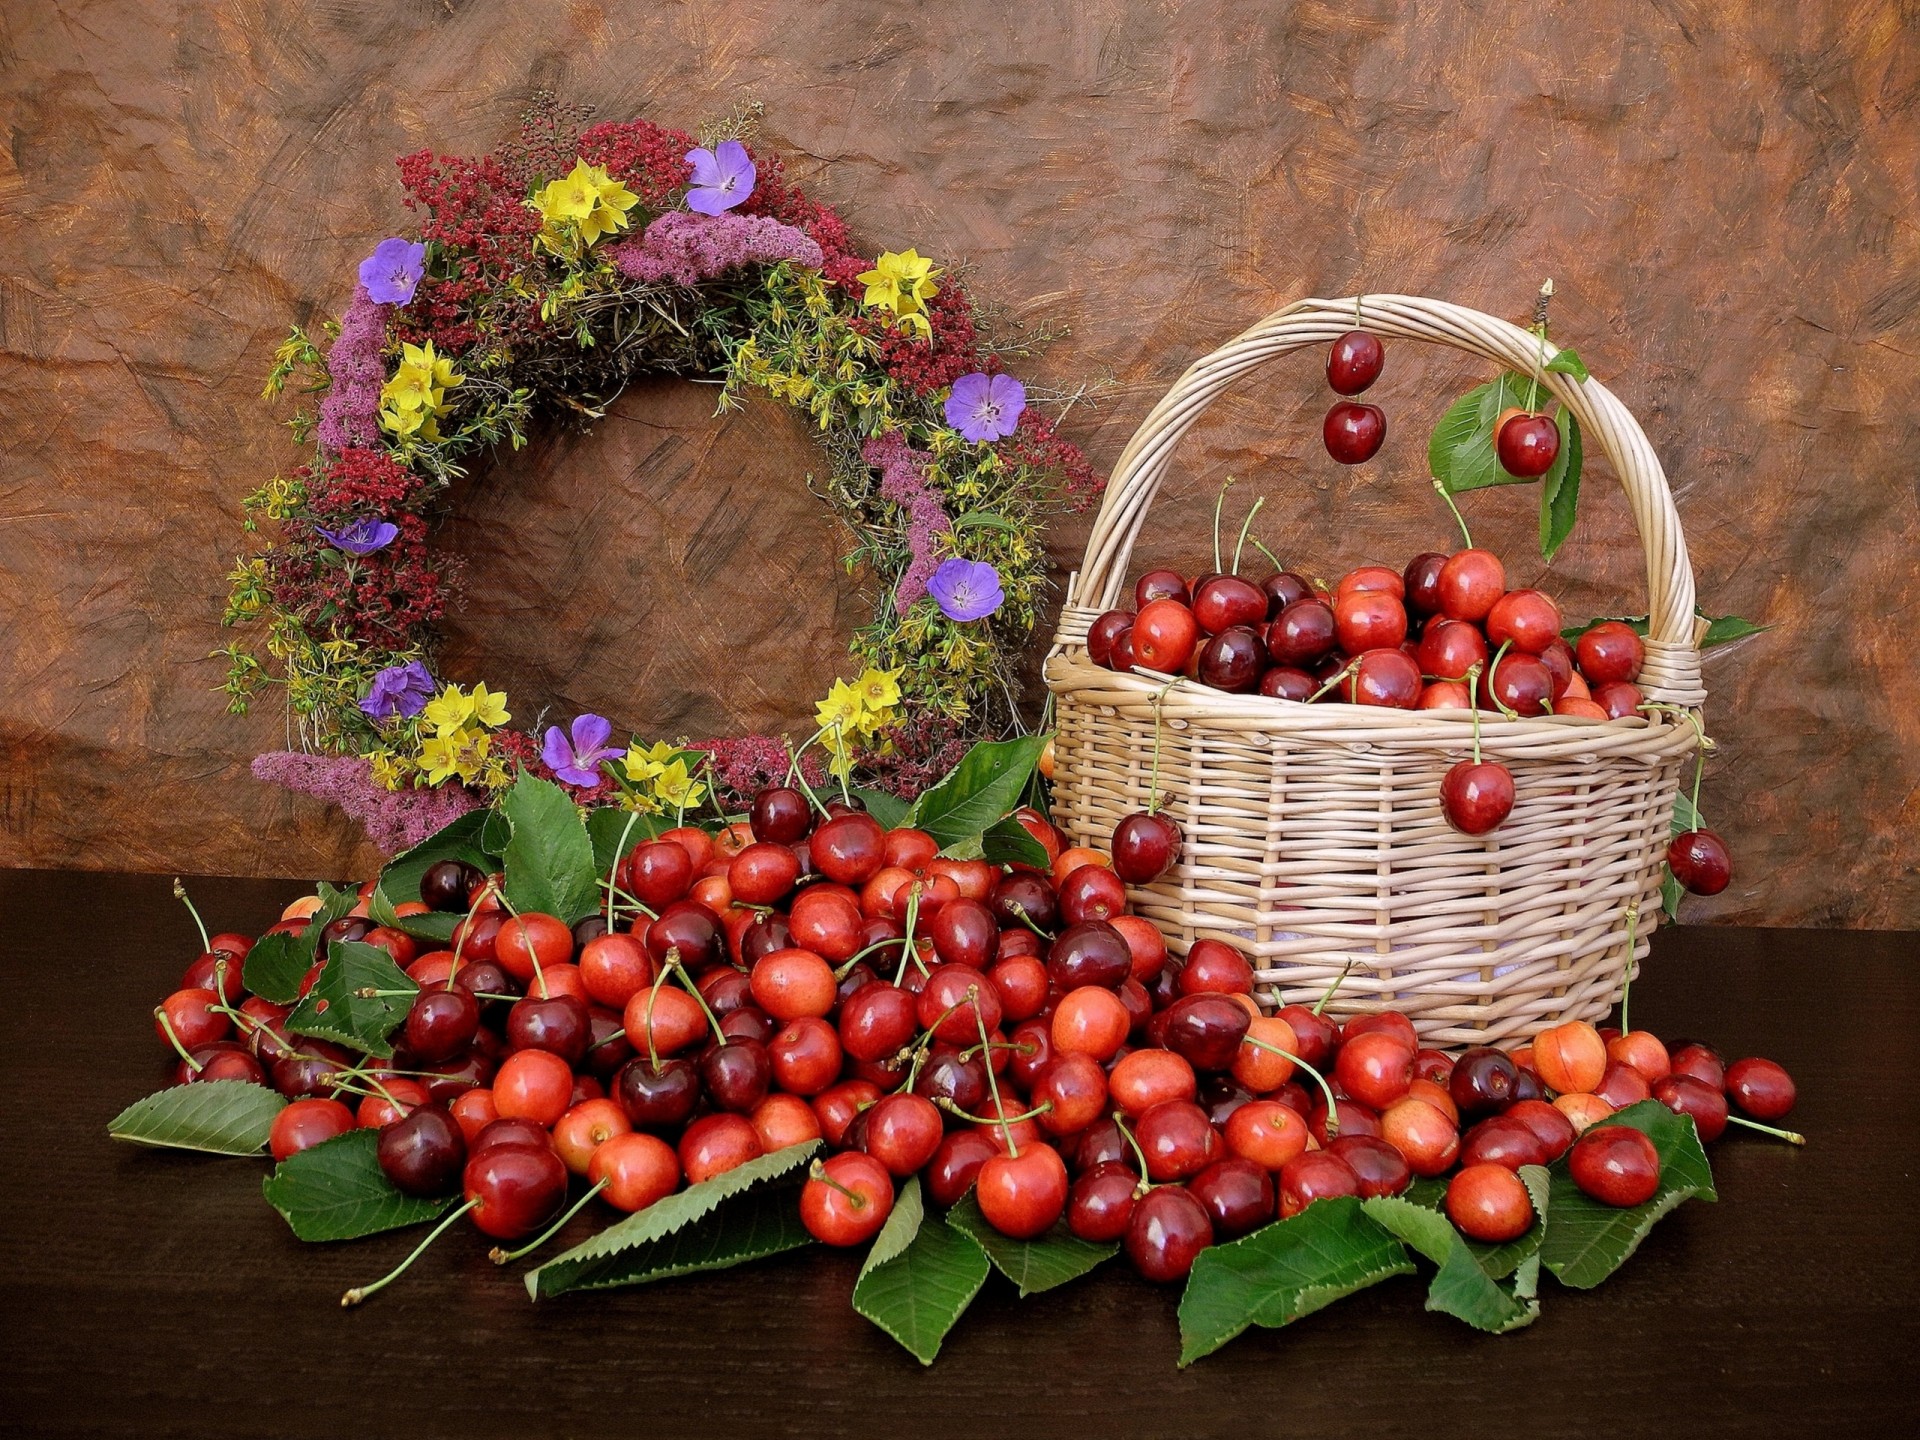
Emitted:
pixel 1303 635
pixel 1761 1088
pixel 1160 585
pixel 1023 1195
pixel 1489 1203
pixel 1618 699
pixel 1354 433
pixel 1616 1165
pixel 1370 579
pixel 1525 618
pixel 1224 601
pixel 1101 633
pixel 1100 1205
pixel 1316 1175
pixel 1163 636
pixel 514 1189
pixel 1521 683
pixel 847 1199
pixel 1527 445
pixel 1470 583
pixel 1368 620
pixel 1375 1068
pixel 1610 651
pixel 1282 682
pixel 1476 796
pixel 1384 677
pixel 1354 362
pixel 1705 1104
pixel 1144 847
pixel 1420 583
pixel 1121 657
pixel 1700 862
pixel 1450 648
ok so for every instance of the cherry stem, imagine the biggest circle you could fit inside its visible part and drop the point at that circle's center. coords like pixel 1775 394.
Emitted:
pixel 993 1081
pixel 1153 779
pixel 501 1256
pixel 1023 1046
pixel 180 894
pixel 1626 986
pixel 360 1292
pixel 1272 558
pixel 1461 520
pixel 613 871
pixel 952 1107
pixel 1792 1137
pixel 1245 526
pixel 166 1025
pixel 793 755
pixel 818 1171
pixel 1473 683
pixel 465 927
pixel 1344 673
pixel 674 966
pixel 1219 504
pixel 246 1023
pixel 533 954
pixel 1338 981
pixel 629 902
pixel 859 955
pixel 1333 1110
pixel 1028 921
pixel 793 774
pixel 913 919
pixel 653 1054
pixel 1139 1155
pixel 1493 668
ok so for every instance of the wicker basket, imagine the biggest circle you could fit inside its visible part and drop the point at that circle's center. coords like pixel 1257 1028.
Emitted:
pixel 1313 836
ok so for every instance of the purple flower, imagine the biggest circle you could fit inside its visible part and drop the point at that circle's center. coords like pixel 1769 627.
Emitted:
pixel 363 536
pixel 576 760
pixel 986 407
pixel 399 690
pixel 393 271
pixel 966 589
pixel 722 177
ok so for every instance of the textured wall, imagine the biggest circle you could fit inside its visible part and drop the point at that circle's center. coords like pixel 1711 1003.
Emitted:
pixel 1723 192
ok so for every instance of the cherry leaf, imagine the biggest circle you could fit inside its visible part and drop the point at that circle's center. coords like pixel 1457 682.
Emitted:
pixel 1587 1241
pixel 336 1190
pixel 221 1117
pixel 1042 1263
pixel 277 963
pixel 549 859
pixel 1468 1284
pixel 919 1278
pixel 981 789
pixel 335 1009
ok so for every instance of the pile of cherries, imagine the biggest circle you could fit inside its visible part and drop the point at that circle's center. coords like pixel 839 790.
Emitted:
pixel 1009 1031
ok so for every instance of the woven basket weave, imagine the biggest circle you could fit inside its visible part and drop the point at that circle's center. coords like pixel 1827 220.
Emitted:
pixel 1313 837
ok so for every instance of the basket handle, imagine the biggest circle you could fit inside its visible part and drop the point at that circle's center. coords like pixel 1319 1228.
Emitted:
pixel 1672 669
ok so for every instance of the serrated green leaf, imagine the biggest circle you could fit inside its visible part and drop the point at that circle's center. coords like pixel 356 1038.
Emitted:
pixel 1460 452
pixel 977 519
pixel 1560 487
pixel 458 839
pixel 616 833
pixel 627 1251
pixel 1467 1282
pixel 549 860
pixel 221 1117
pixel 275 966
pixel 760 1222
pixel 434 926
pixel 1587 1241
pixel 1006 842
pixel 495 832
pixel 889 810
pixel 1043 1263
pixel 1568 362
pixel 1284 1271
pixel 919 1278
pixel 335 1010
pixel 336 1190
pixel 1725 629
pixel 981 789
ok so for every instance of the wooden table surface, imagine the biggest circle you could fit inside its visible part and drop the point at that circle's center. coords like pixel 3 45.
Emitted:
pixel 154 1293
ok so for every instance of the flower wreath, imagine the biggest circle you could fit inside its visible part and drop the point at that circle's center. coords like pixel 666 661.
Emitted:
pixel 546 274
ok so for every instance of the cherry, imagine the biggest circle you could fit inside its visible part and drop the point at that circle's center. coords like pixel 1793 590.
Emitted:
pixel 1642 1050
pixel 445 883
pixel 1616 1165
pixel 1285 683
pixel 1610 652
pixel 486 977
pixel 424 1152
pixel 877 1021
pixel 522 1133
pixel 1144 846
pixel 1316 1175
pixel 1368 620
pixel 826 920
pixel 657 873
pixel 1089 953
pixel 1282 589
pixel 1168 1230
pixel 1375 1068
pixel 1089 892
pixel 190 1016
pixel 1354 362
pixel 635 1170
pixel 1470 583
pixel 956 1164
pixel 561 1026
pixel 1025 898
pixel 1450 648
pixel 531 942
pixel 1489 1203
pixel 223 1060
pixel 1702 1062
pixel 1267 1132
pixel 736 1075
pixel 1236 1194
pixel 513 1190
pixel 780 814
pixel 957 1002
pixel 1482 1080
pixel 1550 1127
pixel 1476 796
pixel 1177 1140
pixel 533 1084
pixel 1023 1195
pixel 946 1076
pixel 614 967
pixel 1384 677
pixel 1160 585
pixel 1421 1132
pixel 347 929
pixel 715 1144
pixel 790 984
pixel 1163 636
pixel 1527 620
pixel 311 1070
pixel 1521 683
pixel 1315 1035
pixel 218 971
pixel 688 931
pixel 1101 1203
pixel 1224 602
pixel 1582 1110
pixel 1303 635
pixel 1073 1093
pixel 440 1024
pixel 903 1132
pixel 1445 695
pixel 1145 1078
pixel 1621 1085
pixel 476 936
pixel 656 1098
pixel 1232 660
pixel 1353 432
pixel 1761 1088
pixel 1700 862
pixel 1120 656
pixel 847 1199
pixel 1215 967
pixel 1206 1030
pixel 1420 583
pixel 1527 445
pixel 1503 1140
pixel 1570 1057
pixel 306 1123
pixel 1704 1103
pixel 1379 1165
pixel 1091 1020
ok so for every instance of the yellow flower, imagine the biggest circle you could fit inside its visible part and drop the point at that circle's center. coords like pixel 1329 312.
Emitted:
pixel 675 786
pixel 448 712
pixel 840 766
pixel 879 690
pixel 438 758
pixel 490 707
pixel 388 769
pixel 411 388
pixel 439 370
pixel 572 197
pixel 843 708
pixel 902 283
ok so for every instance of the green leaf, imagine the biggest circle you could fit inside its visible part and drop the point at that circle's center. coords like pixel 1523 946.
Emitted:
pixel 889 810
pixel 1568 362
pixel 436 926
pixel 636 1249
pixel 1725 629
pixel 335 1010
pixel 1467 1283
pixel 1284 1271
pixel 222 1117
pixel 606 828
pixel 1006 842
pixel 276 965
pixel 975 519
pixel 1460 452
pixel 495 832
pixel 459 839
pixel 549 860
pixel 1560 487
pixel 1587 1241
pixel 1042 1263
pixel 336 1190
pixel 982 789
pixel 918 1279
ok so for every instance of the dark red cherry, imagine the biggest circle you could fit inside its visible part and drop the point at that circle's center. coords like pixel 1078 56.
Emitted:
pixel 1237 1196
pixel 1705 1104
pixel 1353 432
pixel 440 1024
pixel 1700 862
pixel 1528 445
pixel 1025 894
pixel 1225 601
pixel 1283 682
pixel 1482 1080
pixel 1282 589
pixel 560 1025
pixel 656 1098
pixel 1303 635
pixel 514 1190
pixel 423 1152
pixel 1100 1204
pixel 1160 585
pixel 1090 953
pixel 1450 648
pixel 1421 583
pixel 1315 1036
pixel 780 814
pixel 1101 632
pixel 1232 660
pixel 1354 361
pixel 1206 1030
pixel 1476 796
pixel 1616 1165
pixel 1522 683
pixel 1144 847
pixel 1384 677
pixel 737 1075
pixel 1168 1231
pixel 1379 1167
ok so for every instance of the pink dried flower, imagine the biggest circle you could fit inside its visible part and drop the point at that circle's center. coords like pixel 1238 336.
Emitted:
pixel 393 819
pixel 744 765
pixel 686 249
pixel 350 409
pixel 903 481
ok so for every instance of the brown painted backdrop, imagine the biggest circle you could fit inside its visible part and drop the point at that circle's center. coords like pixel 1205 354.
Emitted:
pixel 1723 192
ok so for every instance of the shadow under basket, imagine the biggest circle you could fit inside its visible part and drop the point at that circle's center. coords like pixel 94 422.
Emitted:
pixel 1312 835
